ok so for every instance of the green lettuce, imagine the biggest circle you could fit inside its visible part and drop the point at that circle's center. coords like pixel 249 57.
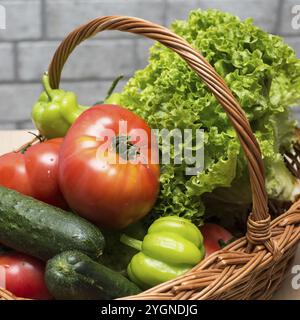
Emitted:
pixel 263 74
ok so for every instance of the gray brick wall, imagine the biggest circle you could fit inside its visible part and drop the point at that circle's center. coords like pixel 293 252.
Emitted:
pixel 36 27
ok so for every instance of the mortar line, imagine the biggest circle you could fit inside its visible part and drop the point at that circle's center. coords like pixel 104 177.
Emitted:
pixel 58 40
pixel 67 81
pixel 15 62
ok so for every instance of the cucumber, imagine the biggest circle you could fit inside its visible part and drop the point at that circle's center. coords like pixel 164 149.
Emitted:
pixel 72 275
pixel 43 231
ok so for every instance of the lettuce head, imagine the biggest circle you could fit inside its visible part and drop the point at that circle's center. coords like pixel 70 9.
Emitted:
pixel 263 74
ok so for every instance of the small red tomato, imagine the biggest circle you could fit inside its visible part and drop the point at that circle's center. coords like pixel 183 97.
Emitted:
pixel 23 276
pixel 215 237
pixel 34 172
pixel 96 179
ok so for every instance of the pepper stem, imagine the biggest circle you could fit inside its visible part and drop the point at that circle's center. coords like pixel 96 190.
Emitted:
pixel 131 242
pixel 46 85
pixel 113 86
pixel 110 90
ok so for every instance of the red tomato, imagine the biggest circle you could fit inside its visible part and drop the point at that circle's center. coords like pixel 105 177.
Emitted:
pixel 34 172
pixel 109 193
pixel 215 237
pixel 23 276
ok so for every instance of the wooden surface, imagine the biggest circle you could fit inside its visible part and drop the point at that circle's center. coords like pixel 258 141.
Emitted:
pixel 10 140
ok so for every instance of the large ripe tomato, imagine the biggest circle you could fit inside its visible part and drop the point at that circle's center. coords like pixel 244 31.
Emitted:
pixel 23 276
pixel 34 172
pixel 215 237
pixel 109 193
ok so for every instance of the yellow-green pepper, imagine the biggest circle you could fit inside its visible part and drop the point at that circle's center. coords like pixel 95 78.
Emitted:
pixel 55 111
pixel 172 246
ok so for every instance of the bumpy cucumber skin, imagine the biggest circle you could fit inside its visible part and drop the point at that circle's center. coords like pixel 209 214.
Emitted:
pixel 42 231
pixel 74 276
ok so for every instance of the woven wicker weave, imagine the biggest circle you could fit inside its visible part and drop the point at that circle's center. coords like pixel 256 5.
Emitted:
pixel 6 295
pixel 252 267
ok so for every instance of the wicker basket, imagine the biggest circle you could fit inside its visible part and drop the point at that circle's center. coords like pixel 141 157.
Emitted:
pixel 252 267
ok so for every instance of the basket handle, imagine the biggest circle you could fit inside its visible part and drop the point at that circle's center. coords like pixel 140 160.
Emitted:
pixel 259 220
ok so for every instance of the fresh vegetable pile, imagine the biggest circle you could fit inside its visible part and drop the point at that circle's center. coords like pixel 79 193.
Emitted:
pixel 89 212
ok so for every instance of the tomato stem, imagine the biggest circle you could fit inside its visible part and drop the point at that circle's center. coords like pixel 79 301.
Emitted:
pixel 125 148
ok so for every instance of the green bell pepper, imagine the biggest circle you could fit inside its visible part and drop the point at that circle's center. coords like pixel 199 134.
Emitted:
pixel 55 111
pixel 172 246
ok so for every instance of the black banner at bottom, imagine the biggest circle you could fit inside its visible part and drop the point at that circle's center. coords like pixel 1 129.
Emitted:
pixel 94 310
